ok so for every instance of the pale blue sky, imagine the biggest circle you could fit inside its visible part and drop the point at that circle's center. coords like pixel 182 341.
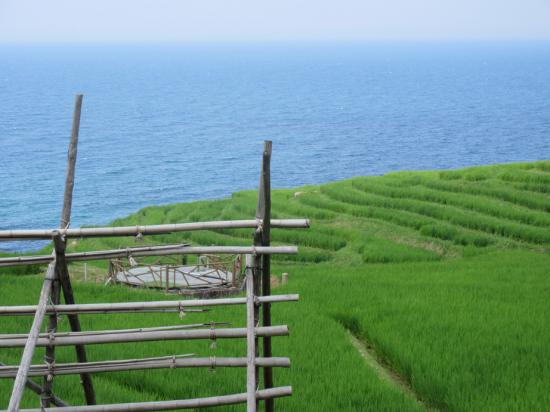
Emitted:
pixel 277 20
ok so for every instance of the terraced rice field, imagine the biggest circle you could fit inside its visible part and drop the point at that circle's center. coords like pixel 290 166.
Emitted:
pixel 443 276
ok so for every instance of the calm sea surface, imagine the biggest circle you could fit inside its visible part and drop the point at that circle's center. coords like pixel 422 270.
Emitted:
pixel 164 124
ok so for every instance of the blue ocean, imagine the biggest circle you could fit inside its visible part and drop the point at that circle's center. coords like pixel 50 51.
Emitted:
pixel 176 123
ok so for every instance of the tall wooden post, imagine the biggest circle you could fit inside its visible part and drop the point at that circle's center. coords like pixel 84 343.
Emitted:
pixel 63 271
pixel 49 357
pixel 262 238
pixel 71 164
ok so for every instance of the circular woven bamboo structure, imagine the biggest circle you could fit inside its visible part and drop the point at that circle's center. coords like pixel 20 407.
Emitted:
pixel 211 274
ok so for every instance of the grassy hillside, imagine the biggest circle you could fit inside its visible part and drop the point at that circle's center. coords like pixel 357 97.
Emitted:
pixel 443 275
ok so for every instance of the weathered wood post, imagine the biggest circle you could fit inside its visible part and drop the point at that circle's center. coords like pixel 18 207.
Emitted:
pixel 71 164
pixel 63 270
pixel 262 238
pixel 49 357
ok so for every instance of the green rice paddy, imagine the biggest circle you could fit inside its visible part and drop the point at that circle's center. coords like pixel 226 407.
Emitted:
pixel 444 276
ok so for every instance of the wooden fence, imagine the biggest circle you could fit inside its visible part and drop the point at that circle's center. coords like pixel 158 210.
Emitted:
pixel 57 282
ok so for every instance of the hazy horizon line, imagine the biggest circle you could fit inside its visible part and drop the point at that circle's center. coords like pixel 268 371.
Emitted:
pixel 286 42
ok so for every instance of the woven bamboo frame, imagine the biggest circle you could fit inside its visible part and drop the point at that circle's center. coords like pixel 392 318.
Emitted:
pixel 56 281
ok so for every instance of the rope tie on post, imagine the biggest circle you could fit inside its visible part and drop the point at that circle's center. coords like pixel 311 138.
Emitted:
pixel 260 226
pixel 51 371
pixel 50 362
pixel 181 311
pixel 63 231
pixel 58 317
pixel 131 259
pixel 213 363
pixel 173 364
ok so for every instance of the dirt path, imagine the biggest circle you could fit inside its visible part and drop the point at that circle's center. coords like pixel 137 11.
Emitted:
pixel 385 373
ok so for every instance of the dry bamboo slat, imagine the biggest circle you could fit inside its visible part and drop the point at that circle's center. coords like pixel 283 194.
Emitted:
pixel 174 362
pixel 124 307
pixel 135 330
pixel 281 330
pixel 151 251
pixel 172 405
pixel 26 234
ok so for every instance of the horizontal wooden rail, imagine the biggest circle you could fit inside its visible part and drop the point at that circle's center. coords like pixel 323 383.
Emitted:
pixel 133 251
pixel 148 336
pixel 154 306
pixel 27 234
pixel 261 394
pixel 102 332
pixel 168 362
pixel 151 251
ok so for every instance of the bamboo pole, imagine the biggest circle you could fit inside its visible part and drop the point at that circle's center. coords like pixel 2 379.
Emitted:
pixel 36 388
pixel 124 307
pixel 149 251
pixel 172 405
pixel 104 312
pixel 26 234
pixel 30 342
pixel 168 362
pixel 146 336
pixel 102 332
pixel 250 336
